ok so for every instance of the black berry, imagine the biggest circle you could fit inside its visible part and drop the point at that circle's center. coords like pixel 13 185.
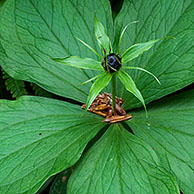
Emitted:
pixel 111 63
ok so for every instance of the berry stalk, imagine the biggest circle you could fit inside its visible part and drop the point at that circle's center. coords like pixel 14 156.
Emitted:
pixel 113 93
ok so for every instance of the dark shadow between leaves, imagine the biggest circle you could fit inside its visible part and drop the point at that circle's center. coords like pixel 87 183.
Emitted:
pixel 127 127
pixel 30 91
pixel 96 138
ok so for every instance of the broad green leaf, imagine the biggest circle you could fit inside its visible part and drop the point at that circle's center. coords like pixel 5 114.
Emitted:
pixel 171 60
pixel 101 37
pixel 40 137
pixel 97 86
pixel 34 31
pixel 130 86
pixel 170 131
pixel 136 50
pixel 82 63
pixel 121 163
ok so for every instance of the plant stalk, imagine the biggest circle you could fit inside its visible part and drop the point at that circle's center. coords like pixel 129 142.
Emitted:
pixel 113 93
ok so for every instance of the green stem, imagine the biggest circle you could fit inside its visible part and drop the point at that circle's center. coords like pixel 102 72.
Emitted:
pixel 113 93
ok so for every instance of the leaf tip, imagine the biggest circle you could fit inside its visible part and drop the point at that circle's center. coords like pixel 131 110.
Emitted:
pixel 169 37
pixel 95 18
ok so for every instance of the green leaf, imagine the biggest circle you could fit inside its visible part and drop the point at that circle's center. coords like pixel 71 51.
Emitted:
pixel 101 37
pixel 16 87
pixel 82 63
pixel 39 138
pixel 172 61
pixel 97 86
pixel 130 86
pixel 169 130
pixel 121 163
pixel 136 50
pixel 33 32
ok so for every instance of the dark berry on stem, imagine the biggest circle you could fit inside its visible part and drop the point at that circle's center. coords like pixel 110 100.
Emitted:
pixel 111 63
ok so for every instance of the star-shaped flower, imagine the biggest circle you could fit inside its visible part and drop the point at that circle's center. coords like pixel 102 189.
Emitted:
pixel 112 64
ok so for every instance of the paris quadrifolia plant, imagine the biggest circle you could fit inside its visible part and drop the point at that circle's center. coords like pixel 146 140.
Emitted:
pixel 111 64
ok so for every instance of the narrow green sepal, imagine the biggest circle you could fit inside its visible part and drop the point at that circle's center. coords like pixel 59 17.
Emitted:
pixel 131 87
pixel 97 86
pixel 144 70
pixel 122 33
pixel 88 46
pixel 93 78
pixel 82 63
pixel 136 50
pixel 101 36
pixel 139 48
